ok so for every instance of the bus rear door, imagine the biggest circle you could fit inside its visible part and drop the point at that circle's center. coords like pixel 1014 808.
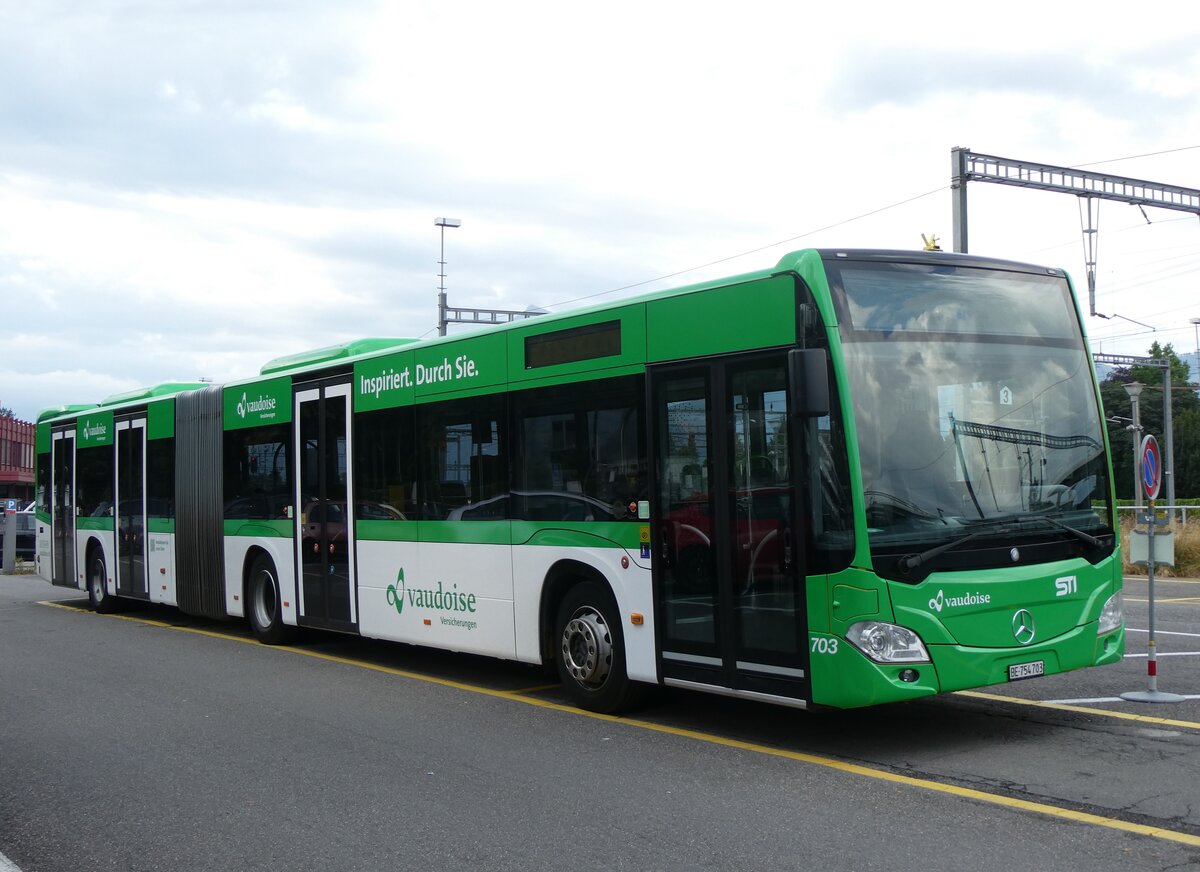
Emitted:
pixel 131 508
pixel 62 509
pixel 325 528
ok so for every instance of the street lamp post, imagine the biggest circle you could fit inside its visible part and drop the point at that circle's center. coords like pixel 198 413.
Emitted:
pixel 443 223
pixel 1196 372
pixel 1134 389
pixel 456 314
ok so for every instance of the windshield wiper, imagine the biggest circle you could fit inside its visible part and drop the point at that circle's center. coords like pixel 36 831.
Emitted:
pixel 909 562
pixel 1078 534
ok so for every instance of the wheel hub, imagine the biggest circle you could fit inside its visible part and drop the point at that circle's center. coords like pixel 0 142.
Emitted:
pixel 96 581
pixel 264 600
pixel 587 647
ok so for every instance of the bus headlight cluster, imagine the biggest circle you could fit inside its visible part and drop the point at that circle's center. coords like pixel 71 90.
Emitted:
pixel 887 643
pixel 1111 615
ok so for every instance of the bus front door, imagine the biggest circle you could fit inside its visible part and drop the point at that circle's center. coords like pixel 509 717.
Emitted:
pixel 728 570
pixel 62 509
pixel 131 509
pixel 325 528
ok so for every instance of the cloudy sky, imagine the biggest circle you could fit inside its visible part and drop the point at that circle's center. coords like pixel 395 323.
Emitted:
pixel 191 187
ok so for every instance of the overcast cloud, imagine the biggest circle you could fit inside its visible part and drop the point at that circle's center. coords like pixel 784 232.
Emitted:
pixel 191 188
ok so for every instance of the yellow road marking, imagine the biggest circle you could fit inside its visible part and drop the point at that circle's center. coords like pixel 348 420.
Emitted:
pixel 536 688
pixel 1186 600
pixel 1067 707
pixel 723 741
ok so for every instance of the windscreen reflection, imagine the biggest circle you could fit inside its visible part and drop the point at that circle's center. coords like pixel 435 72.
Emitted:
pixel 973 400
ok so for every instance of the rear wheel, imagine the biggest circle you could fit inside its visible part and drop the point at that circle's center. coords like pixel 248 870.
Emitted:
pixel 591 651
pixel 265 605
pixel 97 583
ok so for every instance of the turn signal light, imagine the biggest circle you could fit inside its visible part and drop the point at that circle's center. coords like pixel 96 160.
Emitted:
pixel 636 619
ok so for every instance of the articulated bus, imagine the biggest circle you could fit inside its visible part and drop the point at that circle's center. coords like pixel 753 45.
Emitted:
pixel 859 477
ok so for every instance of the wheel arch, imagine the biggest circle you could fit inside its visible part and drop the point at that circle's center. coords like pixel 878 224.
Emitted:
pixel 91 546
pixel 251 557
pixel 560 578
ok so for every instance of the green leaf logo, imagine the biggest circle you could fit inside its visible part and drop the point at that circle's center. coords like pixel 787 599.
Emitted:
pixel 395 592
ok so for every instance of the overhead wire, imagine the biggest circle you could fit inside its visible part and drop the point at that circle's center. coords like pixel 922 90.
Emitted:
pixel 732 256
pixel 807 233
pixel 868 214
pixel 1097 163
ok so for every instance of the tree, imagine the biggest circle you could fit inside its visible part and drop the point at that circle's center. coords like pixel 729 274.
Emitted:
pixel 1152 375
pixel 6 412
pixel 1185 412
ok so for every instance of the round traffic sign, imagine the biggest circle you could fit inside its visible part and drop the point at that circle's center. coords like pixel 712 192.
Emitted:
pixel 1151 467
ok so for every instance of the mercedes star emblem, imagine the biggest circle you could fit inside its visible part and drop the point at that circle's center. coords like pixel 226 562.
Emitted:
pixel 1023 627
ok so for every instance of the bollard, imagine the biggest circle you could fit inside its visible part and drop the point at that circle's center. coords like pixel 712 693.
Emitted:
pixel 10 542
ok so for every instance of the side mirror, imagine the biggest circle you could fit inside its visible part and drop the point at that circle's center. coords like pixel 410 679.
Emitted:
pixel 808 378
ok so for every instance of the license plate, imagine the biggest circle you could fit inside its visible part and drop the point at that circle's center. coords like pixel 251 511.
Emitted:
pixel 1018 671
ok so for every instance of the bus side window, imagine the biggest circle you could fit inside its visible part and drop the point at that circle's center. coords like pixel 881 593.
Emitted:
pixel 581 455
pixel 385 465
pixel 463 461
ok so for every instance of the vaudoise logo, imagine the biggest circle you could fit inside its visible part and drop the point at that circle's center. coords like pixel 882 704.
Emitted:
pixel 395 592
pixel 972 599
pixel 441 599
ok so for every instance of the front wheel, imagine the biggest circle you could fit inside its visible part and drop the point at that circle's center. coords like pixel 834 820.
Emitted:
pixel 264 604
pixel 97 584
pixel 591 651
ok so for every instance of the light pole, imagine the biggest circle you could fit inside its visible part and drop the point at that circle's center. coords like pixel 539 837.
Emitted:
pixel 1196 373
pixel 1134 389
pixel 443 223
pixel 456 314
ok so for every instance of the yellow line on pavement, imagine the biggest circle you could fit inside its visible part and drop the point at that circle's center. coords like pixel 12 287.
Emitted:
pixel 1067 707
pixel 1186 600
pixel 1040 808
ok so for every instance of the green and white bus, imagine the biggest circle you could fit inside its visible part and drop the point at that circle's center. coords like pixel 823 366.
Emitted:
pixel 858 477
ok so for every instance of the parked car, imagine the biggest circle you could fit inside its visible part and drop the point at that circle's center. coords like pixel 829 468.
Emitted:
pixel 26 534
pixel 538 506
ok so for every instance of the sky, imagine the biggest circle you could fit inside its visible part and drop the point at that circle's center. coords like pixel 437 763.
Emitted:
pixel 190 188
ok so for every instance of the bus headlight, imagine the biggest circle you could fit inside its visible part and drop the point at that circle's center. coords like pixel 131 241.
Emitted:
pixel 887 643
pixel 1111 615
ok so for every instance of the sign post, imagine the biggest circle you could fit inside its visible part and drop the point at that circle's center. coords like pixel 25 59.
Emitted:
pixel 9 556
pixel 1150 471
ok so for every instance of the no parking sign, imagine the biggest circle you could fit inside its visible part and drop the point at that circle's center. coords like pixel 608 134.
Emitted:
pixel 1151 467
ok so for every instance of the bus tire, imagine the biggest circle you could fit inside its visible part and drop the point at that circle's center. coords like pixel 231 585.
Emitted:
pixel 97 583
pixel 264 604
pixel 590 650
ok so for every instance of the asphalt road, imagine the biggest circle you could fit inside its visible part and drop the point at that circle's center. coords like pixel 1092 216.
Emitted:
pixel 157 741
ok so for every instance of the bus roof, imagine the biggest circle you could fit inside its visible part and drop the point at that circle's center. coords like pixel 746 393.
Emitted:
pixel 804 262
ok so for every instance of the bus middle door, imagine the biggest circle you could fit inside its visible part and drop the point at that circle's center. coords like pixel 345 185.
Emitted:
pixel 728 561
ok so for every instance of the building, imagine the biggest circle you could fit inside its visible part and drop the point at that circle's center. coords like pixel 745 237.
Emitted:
pixel 17 456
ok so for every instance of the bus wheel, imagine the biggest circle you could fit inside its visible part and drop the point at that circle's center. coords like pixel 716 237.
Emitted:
pixel 591 650
pixel 97 584
pixel 266 613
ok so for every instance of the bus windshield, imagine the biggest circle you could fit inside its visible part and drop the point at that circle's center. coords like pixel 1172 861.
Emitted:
pixel 974 405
